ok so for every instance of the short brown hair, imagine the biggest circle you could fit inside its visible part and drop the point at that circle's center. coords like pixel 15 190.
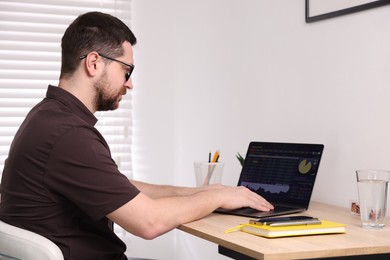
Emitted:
pixel 93 31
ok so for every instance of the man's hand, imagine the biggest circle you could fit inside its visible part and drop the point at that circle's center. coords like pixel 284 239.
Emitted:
pixel 238 197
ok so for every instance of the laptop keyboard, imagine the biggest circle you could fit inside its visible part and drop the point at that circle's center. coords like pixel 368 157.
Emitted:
pixel 248 210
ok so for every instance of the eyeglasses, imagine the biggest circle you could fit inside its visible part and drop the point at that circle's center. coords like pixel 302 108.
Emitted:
pixel 128 72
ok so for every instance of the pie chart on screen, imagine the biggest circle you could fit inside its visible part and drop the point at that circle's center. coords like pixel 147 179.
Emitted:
pixel 304 166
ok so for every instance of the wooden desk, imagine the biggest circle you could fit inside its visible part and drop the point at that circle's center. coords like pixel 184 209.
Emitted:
pixel 357 241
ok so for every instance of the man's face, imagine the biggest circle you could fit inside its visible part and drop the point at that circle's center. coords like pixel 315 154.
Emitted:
pixel 112 84
pixel 106 98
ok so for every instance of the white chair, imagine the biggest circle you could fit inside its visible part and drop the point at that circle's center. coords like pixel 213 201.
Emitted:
pixel 23 244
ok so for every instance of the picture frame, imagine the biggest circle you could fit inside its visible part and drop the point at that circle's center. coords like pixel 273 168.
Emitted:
pixel 315 9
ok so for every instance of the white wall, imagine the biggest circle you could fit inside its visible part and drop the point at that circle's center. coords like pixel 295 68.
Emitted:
pixel 216 74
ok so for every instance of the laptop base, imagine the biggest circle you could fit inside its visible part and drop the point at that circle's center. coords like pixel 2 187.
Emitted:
pixel 249 212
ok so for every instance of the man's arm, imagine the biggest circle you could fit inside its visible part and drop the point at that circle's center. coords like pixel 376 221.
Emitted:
pixel 148 218
pixel 162 191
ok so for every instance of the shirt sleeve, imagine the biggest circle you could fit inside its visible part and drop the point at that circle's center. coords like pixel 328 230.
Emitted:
pixel 82 171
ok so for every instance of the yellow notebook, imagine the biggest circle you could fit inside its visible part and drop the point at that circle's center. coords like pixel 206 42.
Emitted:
pixel 326 227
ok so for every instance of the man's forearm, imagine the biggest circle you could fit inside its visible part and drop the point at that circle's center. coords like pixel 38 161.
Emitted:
pixel 163 191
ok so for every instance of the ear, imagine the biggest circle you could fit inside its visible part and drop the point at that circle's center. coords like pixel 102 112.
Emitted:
pixel 91 64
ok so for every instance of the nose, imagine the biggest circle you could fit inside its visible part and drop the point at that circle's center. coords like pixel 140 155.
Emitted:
pixel 129 84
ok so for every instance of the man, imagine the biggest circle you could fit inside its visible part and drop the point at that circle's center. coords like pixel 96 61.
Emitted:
pixel 59 179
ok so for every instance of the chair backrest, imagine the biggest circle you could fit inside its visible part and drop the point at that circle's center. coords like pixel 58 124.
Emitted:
pixel 23 244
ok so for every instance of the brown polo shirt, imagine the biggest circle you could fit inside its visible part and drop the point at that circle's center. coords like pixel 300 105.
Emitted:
pixel 60 181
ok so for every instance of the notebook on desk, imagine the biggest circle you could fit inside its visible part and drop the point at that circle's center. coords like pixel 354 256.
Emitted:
pixel 282 173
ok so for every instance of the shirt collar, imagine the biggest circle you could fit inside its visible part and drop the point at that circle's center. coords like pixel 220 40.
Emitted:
pixel 72 102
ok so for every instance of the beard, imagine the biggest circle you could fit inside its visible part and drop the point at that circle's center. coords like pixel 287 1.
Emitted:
pixel 105 101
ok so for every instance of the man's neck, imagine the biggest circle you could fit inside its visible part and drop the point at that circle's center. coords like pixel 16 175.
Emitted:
pixel 80 90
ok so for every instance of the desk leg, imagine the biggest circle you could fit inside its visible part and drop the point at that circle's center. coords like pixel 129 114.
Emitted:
pixel 233 254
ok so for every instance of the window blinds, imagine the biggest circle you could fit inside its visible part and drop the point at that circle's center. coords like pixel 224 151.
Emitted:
pixel 30 60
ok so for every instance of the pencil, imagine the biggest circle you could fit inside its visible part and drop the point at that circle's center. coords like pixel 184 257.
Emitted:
pixel 216 156
pixel 211 168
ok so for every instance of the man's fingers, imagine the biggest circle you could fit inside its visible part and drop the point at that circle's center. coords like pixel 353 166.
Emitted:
pixel 259 202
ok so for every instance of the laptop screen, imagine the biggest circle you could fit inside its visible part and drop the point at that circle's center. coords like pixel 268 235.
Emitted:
pixel 282 173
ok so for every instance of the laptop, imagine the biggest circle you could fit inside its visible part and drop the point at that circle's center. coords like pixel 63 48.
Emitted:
pixel 282 173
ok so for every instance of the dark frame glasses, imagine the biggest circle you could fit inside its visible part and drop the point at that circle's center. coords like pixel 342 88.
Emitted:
pixel 128 73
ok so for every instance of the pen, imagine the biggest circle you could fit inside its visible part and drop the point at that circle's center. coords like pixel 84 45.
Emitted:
pixel 211 168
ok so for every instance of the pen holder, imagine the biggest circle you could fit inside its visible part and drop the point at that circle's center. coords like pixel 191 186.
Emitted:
pixel 208 173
